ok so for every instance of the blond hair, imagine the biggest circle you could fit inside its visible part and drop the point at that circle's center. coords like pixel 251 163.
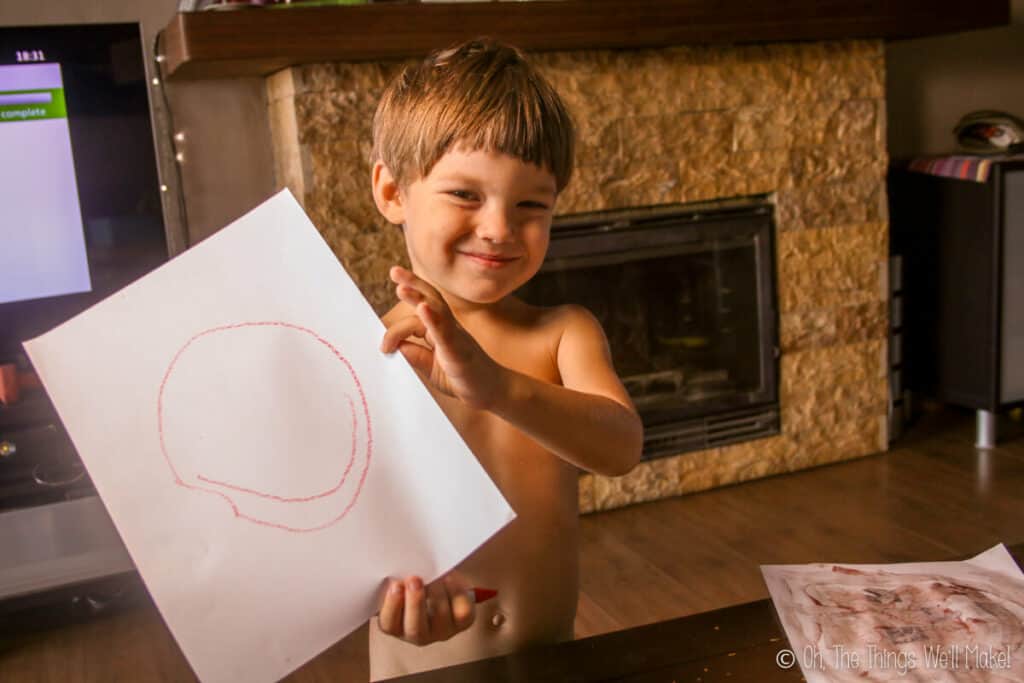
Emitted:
pixel 480 95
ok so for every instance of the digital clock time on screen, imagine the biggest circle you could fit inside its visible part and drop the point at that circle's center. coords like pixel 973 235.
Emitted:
pixel 22 56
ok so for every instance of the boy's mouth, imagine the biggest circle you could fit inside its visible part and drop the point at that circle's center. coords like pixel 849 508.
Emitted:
pixel 489 260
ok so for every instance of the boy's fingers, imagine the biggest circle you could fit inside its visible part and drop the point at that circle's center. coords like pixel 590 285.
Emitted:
pixel 442 625
pixel 463 609
pixel 398 274
pixel 400 330
pixel 454 581
pixel 438 333
pixel 419 357
pixel 425 614
pixel 409 295
pixel 414 623
pixel 406 278
pixel 390 616
pixel 436 326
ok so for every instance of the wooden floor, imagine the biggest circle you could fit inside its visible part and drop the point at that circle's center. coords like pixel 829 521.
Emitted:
pixel 933 497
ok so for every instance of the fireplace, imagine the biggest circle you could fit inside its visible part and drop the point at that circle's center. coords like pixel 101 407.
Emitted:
pixel 686 295
pixel 798 127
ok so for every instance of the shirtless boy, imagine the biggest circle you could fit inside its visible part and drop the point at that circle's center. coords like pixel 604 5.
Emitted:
pixel 472 148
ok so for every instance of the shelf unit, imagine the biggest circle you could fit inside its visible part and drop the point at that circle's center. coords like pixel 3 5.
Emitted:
pixel 962 248
pixel 260 41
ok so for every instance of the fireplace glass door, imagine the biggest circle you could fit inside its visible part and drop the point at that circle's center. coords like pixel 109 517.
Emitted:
pixel 686 297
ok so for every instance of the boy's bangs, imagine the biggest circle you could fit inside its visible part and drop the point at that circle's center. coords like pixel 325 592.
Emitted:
pixel 515 126
pixel 510 129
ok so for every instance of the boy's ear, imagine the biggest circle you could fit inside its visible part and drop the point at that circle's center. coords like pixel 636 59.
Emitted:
pixel 387 194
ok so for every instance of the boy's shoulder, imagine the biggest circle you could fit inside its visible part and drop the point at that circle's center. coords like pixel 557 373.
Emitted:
pixel 542 316
pixel 561 320
pixel 572 316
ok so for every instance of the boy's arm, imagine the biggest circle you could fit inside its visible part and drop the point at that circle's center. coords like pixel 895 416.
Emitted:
pixel 589 421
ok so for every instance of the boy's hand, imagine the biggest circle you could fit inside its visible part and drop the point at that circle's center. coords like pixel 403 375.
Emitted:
pixel 421 614
pixel 452 360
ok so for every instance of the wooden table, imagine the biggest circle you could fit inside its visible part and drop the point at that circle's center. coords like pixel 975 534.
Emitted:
pixel 737 643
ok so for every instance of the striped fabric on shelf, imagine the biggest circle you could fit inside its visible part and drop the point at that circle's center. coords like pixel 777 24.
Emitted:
pixel 963 167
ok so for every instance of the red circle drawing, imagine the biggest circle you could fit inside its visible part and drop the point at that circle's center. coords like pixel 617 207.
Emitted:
pixel 332 503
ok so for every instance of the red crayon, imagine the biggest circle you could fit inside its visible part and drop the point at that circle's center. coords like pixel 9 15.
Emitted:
pixel 479 595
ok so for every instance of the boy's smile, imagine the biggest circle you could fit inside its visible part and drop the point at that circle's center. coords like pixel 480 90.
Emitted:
pixel 477 226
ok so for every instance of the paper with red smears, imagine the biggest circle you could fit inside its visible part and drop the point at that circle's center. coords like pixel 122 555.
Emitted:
pixel 265 464
pixel 927 621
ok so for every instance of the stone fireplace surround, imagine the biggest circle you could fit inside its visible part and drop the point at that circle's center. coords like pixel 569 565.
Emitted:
pixel 802 122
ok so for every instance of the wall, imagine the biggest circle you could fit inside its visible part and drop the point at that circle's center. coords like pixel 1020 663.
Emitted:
pixel 932 82
pixel 803 123
pixel 227 166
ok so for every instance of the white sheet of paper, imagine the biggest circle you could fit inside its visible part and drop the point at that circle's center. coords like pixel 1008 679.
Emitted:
pixel 265 464
pixel 949 621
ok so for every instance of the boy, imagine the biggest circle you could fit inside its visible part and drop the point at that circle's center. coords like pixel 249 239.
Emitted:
pixel 471 150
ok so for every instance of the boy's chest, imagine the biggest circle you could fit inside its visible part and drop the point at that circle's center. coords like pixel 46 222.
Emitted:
pixel 533 352
pixel 497 444
pixel 518 464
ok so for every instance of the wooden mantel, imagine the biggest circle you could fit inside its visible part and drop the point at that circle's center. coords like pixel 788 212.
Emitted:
pixel 254 42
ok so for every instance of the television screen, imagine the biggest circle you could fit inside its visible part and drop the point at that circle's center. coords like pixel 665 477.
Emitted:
pixel 78 183
pixel 44 244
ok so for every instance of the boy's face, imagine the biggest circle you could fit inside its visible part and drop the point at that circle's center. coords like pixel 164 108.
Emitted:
pixel 477 226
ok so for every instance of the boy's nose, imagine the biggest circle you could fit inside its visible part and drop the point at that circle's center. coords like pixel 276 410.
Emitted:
pixel 496 226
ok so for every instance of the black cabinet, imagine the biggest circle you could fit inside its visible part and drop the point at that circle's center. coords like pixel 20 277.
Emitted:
pixel 962 248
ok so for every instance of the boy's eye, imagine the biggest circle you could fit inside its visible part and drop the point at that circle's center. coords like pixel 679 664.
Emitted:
pixel 534 205
pixel 464 195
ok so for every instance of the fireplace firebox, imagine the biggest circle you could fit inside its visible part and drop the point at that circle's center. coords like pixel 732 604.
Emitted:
pixel 686 295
